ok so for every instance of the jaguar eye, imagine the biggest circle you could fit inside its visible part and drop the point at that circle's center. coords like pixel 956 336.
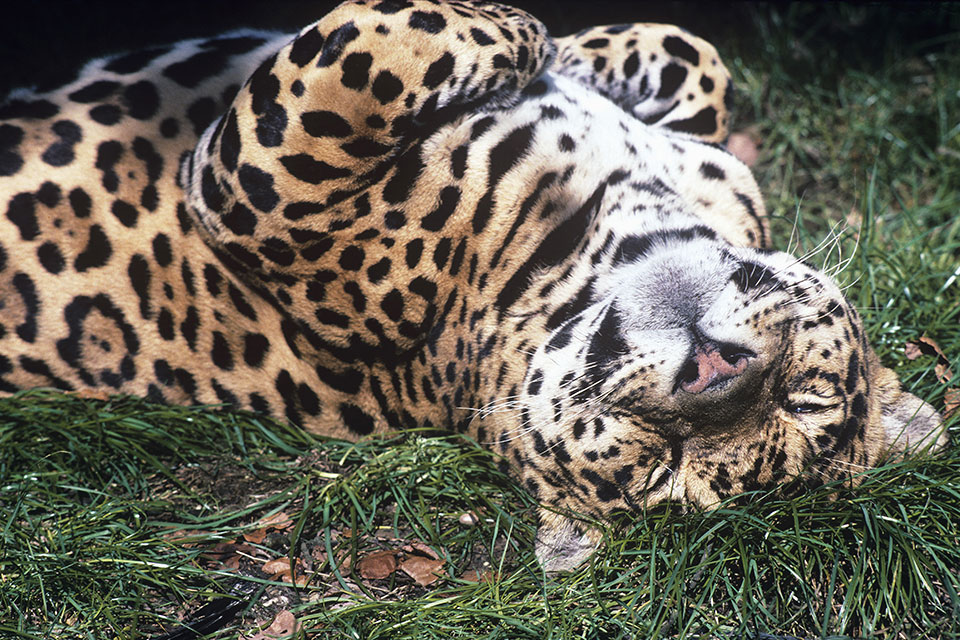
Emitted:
pixel 809 403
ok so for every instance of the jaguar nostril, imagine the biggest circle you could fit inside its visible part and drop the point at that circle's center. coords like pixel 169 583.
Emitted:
pixel 710 364
pixel 733 354
pixel 688 373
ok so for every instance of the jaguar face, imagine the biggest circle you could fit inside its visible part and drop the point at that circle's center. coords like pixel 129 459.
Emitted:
pixel 701 371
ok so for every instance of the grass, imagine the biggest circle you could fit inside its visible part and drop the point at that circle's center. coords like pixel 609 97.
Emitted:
pixel 118 517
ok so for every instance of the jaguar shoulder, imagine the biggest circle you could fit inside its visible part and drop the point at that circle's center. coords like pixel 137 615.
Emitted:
pixel 419 214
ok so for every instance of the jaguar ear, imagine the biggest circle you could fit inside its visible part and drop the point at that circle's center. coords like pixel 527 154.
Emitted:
pixel 909 423
pixel 563 544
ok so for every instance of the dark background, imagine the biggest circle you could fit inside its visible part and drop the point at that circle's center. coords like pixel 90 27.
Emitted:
pixel 43 43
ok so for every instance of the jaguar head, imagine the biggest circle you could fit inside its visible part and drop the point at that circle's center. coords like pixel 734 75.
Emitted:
pixel 701 371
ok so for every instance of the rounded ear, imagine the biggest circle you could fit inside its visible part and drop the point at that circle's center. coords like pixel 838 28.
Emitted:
pixel 909 423
pixel 563 544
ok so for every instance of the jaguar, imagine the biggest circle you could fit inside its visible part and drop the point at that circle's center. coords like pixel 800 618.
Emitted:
pixel 417 214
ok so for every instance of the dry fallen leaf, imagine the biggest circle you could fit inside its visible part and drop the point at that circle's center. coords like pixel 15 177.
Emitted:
pixel 951 401
pixel 485 575
pixel 422 570
pixel 927 346
pixel 285 624
pixel 743 146
pixel 378 565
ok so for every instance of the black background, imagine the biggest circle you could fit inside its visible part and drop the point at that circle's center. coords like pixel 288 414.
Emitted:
pixel 43 43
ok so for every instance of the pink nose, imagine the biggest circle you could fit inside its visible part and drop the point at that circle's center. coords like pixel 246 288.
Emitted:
pixel 710 365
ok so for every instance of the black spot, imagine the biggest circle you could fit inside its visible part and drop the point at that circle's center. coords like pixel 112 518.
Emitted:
pixel 365 148
pixel 201 113
pixel 141 100
pixel 336 41
pixel 240 220
pixel 97 252
pixel 853 373
pixel 125 212
pixel 220 352
pixel 392 304
pixel 197 68
pixel 255 348
pixel 702 122
pixel 712 172
pixel 21 211
pixel 80 203
pixel 599 63
pixel 414 251
pixel 61 153
pixel 386 87
pixel 408 165
pixel 305 167
pixel 555 247
pixel 189 327
pixel 567 143
pixel 139 273
pixel 480 37
pixel 347 381
pixel 671 77
pixel 706 83
pixel 135 61
pixel 596 43
pixel 97 90
pixel 27 331
pixel 504 156
pixel 561 337
pixel 379 270
pixel 306 47
pixel 351 258
pixel 106 114
pixel 331 317
pixel 436 219
pixel 34 109
pixel 631 65
pixel 751 275
pixel 607 344
pixel 108 154
pixel 50 257
pixel 356 419
pixel 389 7
pixel 438 71
pixel 680 48
pixel 356 70
pixel 169 128
pixel 240 303
pixel 429 21
pixel 394 219
pixel 458 161
pixel 10 138
pixel 258 185
pixel 635 247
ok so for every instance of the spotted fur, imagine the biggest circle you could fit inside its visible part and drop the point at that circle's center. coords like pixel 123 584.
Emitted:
pixel 419 214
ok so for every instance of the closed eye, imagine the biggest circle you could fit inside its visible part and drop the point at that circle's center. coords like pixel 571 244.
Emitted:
pixel 799 403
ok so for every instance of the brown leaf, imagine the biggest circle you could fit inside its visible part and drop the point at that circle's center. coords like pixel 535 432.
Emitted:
pixel 422 570
pixel 276 566
pixel 279 521
pixel 422 549
pixel 951 401
pixel 256 537
pixel 928 347
pixel 285 624
pixel 378 565
pixel 743 146
pixel 472 575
